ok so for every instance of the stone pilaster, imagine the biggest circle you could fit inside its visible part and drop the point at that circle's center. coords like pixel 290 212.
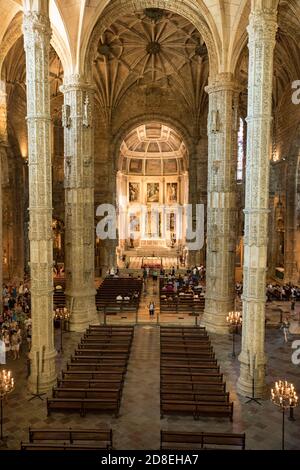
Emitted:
pixel 221 201
pixel 79 201
pixel 37 34
pixel 262 32
pixel 291 273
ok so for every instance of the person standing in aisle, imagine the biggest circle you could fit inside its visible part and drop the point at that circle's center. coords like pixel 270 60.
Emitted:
pixel 151 308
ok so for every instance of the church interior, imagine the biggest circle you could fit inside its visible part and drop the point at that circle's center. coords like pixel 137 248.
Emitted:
pixel 150 224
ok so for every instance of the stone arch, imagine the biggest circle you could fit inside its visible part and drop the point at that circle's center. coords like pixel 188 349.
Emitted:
pixel 144 119
pixel 188 9
pixel 130 125
pixel 14 32
pixel 240 36
pixel 238 52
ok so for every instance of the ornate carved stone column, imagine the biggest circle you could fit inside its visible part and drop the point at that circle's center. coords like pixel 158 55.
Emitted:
pixel 262 32
pixel 37 33
pixel 221 201
pixel 3 145
pixel 193 256
pixel 79 201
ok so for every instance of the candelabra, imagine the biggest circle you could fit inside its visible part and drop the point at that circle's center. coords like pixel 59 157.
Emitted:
pixel 6 386
pixel 63 315
pixel 284 396
pixel 234 321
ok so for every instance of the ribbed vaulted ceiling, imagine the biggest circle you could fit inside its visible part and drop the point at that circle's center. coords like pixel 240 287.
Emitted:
pixel 151 48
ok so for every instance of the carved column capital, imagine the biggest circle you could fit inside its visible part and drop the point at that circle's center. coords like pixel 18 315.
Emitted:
pixel 36 28
pixel 76 82
pixel 224 82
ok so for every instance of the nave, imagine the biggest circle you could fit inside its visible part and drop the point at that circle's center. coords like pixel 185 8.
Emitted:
pixel 138 425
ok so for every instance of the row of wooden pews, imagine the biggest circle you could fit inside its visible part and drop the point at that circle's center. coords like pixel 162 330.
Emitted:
pixel 175 440
pixel 94 376
pixel 181 302
pixel 191 381
pixel 106 296
pixel 68 439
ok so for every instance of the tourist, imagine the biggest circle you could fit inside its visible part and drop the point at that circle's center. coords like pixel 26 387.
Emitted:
pixel 112 272
pixel 2 351
pixel 151 308
pixel 15 345
pixel 6 339
pixel 28 337
pixel 21 289
pixel 285 327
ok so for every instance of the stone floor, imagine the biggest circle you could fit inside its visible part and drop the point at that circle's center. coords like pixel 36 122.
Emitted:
pixel 139 424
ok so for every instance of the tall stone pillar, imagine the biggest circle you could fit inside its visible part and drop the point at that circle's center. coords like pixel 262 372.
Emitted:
pixel 262 32
pixel 37 33
pixel 194 255
pixel 79 202
pixel 221 201
pixel 3 145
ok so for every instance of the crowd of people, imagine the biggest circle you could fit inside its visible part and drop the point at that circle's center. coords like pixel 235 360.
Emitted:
pixel 286 292
pixel 191 283
pixel 15 320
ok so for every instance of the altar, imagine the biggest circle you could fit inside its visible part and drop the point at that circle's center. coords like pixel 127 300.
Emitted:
pixel 151 262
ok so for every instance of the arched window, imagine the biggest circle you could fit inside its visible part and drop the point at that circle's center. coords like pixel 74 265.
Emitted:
pixel 240 160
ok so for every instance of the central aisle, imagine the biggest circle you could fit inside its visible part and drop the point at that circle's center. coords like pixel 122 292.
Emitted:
pixel 139 422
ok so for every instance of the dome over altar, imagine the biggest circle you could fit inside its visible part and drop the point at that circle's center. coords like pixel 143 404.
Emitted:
pixel 153 149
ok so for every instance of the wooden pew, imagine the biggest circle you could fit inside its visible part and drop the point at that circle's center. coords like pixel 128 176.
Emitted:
pixel 182 329
pixel 83 405
pixel 170 440
pixel 118 354
pixel 111 347
pixel 172 353
pixel 186 359
pixel 81 383
pixel 61 446
pixel 217 387
pixel 101 329
pixel 107 340
pixel 186 369
pixel 195 377
pixel 197 408
pixel 91 375
pixel 194 395
pixel 85 393
pixel 100 360
pixel 103 437
pixel 105 368
pixel 186 362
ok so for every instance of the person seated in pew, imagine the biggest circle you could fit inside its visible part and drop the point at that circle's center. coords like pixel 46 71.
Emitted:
pixel 170 288
pixel 119 298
